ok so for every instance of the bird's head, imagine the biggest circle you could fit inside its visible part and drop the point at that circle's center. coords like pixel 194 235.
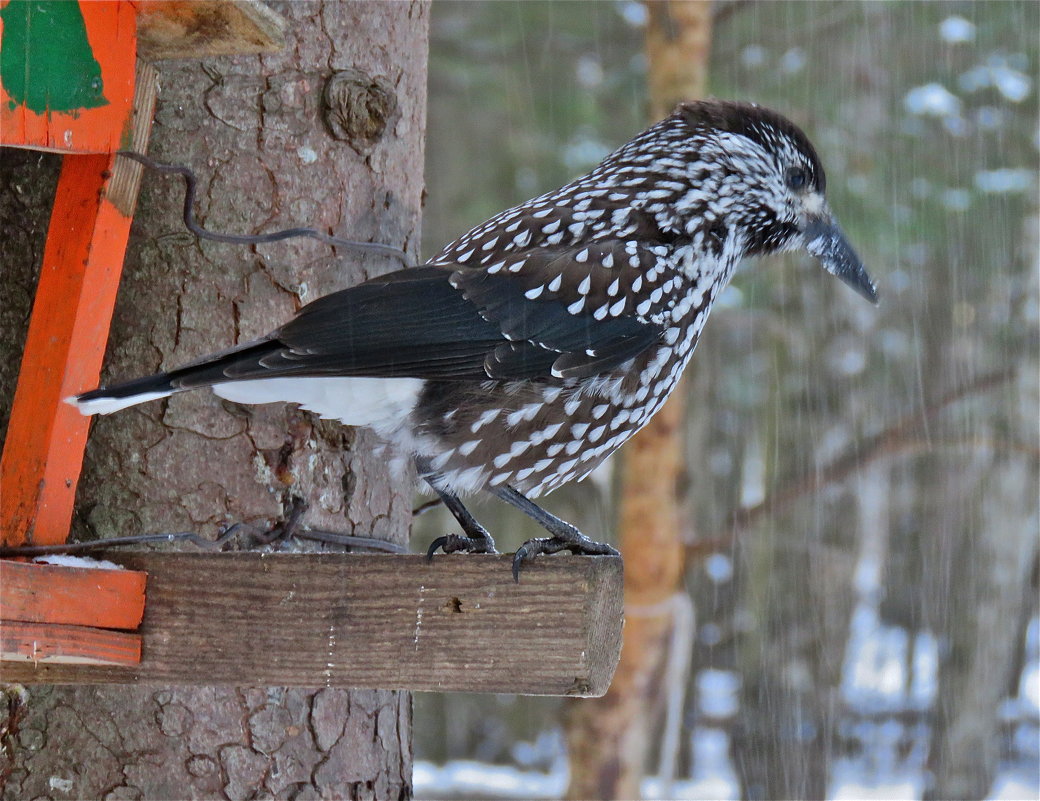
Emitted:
pixel 754 175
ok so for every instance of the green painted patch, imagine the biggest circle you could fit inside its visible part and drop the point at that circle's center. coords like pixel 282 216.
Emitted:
pixel 45 59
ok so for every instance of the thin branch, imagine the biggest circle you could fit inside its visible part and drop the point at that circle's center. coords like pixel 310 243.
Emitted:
pixel 900 435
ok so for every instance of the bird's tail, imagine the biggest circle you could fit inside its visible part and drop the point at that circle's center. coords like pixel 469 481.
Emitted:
pixel 111 399
pixel 244 375
pixel 206 372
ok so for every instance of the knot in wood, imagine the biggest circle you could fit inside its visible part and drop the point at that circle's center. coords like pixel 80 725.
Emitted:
pixel 357 108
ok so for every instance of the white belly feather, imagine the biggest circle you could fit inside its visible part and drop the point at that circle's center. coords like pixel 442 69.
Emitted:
pixel 375 402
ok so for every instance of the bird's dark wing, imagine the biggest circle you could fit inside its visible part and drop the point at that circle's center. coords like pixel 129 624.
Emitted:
pixel 449 321
pixel 571 312
pixel 408 323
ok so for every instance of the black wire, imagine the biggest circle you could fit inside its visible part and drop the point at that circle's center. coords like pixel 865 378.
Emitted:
pixel 423 508
pixel 282 531
pixel 202 542
pixel 244 239
pixel 94 545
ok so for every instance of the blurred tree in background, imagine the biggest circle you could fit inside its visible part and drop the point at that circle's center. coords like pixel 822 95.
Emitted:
pixel 862 481
pixel 608 739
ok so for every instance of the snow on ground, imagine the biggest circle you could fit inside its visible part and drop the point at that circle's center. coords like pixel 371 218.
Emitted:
pixel 467 779
pixel 874 681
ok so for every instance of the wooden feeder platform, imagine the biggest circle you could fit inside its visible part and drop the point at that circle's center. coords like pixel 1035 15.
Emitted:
pixel 456 623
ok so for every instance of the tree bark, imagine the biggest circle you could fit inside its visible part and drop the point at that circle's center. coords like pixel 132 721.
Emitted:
pixel 270 154
pixel 609 738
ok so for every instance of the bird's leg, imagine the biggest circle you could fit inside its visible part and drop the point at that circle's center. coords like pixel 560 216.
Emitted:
pixel 475 540
pixel 565 537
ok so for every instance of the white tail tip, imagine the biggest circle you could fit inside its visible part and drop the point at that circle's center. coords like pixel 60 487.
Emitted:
pixel 109 405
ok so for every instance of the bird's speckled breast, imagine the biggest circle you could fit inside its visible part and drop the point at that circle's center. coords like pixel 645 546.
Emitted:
pixel 538 435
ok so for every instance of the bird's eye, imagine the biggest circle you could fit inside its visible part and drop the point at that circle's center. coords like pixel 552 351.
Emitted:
pixel 797 179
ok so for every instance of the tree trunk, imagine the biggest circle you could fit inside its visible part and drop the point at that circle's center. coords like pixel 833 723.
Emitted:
pixel 794 571
pixel 269 155
pixel 609 738
pixel 989 553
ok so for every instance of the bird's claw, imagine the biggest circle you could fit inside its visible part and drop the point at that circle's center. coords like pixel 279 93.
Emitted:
pixel 549 545
pixel 461 543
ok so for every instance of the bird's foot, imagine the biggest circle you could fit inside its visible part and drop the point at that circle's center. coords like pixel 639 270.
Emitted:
pixel 476 542
pixel 576 544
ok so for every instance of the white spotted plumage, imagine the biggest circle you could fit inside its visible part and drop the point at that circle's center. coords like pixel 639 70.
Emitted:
pixel 534 345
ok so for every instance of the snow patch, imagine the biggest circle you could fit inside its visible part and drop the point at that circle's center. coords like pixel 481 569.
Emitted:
pixel 64 560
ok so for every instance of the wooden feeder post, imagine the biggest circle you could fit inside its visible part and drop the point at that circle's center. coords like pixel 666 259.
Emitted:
pixel 71 82
pixel 86 239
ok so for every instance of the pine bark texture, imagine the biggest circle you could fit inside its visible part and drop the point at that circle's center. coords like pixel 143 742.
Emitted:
pixel 273 148
pixel 610 738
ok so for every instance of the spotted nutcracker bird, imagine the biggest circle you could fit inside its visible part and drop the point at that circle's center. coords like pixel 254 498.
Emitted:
pixel 529 349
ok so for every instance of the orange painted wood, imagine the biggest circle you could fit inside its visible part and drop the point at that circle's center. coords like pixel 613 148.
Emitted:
pixel 111 27
pixel 68 331
pixel 53 643
pixel 78 596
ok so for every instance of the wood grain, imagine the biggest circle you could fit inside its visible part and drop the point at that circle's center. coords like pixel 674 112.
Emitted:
pixel 37 644
pixel 125 183
pixel 458 623
pixel 35 593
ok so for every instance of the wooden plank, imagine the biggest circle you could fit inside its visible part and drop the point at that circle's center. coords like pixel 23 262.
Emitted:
pixel 68 332
pixel 35 644
pixel 68 75
pixel 170 29
pixel 458 623
pixel 78 596
pixel 64 348
pixel 125 183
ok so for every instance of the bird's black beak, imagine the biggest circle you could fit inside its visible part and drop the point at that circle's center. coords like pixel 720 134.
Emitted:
pixel 826 241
